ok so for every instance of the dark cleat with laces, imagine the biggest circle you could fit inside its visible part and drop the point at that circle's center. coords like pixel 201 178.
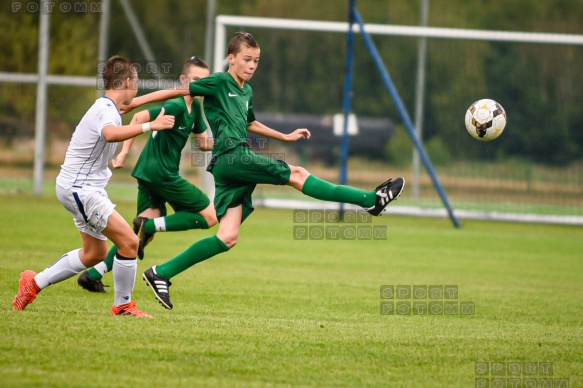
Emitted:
pixel 160 285
pixel 386 193
pixel 90 284
pixel 143 236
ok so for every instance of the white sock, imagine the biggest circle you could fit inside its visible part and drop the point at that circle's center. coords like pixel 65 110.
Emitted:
pixel 101 268
pixel 67 266
pixel 124 278
pixel 160 224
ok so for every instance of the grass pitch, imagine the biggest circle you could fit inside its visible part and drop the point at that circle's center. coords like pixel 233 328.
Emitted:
pixel 276 311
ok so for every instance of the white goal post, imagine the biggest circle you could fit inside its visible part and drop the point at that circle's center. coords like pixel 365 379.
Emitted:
pixel 222 21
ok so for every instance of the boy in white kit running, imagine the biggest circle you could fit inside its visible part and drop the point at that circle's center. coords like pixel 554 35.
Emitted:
pixel 81 189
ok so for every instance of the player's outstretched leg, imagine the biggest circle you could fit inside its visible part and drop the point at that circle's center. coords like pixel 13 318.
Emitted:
pixel 160 285
pixel 145 228
pixel 143 236
pixel 27 290
pixel 373 201
pixel 386 192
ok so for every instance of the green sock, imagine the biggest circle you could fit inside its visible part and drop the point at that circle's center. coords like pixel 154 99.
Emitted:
pixel 177 222
pixel 326 191
pixel 95 274
pixel 197 252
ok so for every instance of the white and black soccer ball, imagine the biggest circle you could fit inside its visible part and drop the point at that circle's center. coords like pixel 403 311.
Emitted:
pixel 485 119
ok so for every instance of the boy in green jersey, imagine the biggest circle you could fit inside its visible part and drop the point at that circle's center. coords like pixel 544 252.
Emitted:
pixel 157 173
pixel 228 106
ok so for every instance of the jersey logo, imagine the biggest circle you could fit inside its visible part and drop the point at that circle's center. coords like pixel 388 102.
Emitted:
pixel 232 94
pixel 181 127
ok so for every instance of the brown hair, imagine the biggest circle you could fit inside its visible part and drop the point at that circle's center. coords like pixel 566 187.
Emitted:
pixel 193 61
pixel 117 70
pixel 240 39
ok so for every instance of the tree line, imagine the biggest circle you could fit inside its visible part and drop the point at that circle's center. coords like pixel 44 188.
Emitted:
pixel 539 85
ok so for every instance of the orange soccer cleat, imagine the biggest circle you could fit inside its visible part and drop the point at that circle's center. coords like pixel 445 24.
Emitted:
pixel 27 290
pixel 129 309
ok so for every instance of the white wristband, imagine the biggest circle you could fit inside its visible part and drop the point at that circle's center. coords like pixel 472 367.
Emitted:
pixel 145 127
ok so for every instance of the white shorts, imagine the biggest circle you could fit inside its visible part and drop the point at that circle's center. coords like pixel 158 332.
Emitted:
pixel 90 209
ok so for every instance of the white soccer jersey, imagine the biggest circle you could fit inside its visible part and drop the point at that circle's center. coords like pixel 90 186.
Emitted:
pixel 88 154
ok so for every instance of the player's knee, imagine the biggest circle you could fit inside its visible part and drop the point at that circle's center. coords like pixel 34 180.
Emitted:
pixel 95 255
pixel 298 176
pixel 299 173
pixel 229 240
pixel 129 246
pixel 133 243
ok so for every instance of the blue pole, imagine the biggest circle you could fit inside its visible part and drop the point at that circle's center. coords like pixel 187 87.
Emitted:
pixel 347 97
pixel 404 116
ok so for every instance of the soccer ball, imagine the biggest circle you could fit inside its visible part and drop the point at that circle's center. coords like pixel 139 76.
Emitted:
pixel 485 119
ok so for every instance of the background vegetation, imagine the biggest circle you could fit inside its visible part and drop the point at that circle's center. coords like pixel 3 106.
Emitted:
pixel 540 86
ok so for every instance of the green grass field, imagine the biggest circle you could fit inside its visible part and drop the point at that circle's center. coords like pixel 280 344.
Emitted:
pixel 275 311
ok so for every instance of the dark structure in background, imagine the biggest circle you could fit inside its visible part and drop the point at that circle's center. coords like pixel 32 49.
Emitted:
pixel 324 145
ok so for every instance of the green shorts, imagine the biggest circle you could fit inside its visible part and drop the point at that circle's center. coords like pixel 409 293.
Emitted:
pixel 237 173
pixel 181 195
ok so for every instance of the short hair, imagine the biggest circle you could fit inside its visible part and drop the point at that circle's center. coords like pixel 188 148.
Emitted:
pixel 193 61
pixel 240 39
pixel 117 70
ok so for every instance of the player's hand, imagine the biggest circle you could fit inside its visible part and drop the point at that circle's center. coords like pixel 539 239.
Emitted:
pixel 301 133
pixel 119 161
pixel 162 122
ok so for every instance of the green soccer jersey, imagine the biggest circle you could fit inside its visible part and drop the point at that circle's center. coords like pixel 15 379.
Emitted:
pixel 228 109
pixel 160 159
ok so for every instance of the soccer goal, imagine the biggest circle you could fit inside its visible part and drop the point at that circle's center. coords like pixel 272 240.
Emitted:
pixel 470 197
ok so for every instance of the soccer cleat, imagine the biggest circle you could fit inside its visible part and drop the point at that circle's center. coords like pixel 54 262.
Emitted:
pixel 130 308
pixel 386 193
pixel 90 284
pixel 27 290
pixel 160 285
pixel 143 236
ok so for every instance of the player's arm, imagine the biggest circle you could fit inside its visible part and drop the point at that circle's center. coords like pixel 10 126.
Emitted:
pixel 160 95
pixel 112 133
pixel 120 160
pixel 202 87
pixel 263 130
pixel 204 142
pixel 199 130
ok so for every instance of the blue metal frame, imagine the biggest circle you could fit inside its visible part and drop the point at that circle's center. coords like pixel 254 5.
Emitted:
pixel 347 98
pixel 354 16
